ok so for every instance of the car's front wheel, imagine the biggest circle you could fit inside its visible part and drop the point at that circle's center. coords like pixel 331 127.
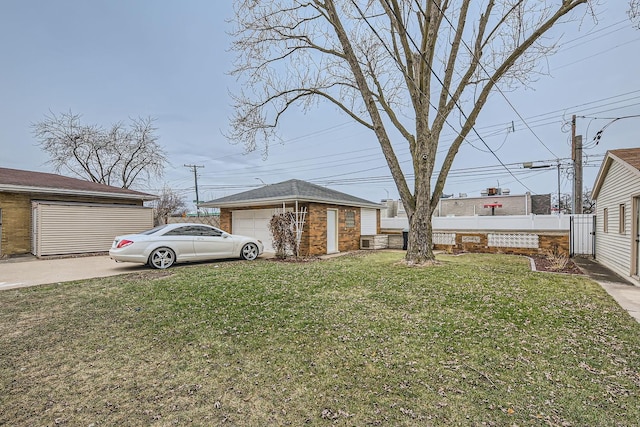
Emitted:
pixel 162 258
pixel 249 252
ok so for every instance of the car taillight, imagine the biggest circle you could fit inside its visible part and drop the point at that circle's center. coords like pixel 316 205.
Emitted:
pixel 124 243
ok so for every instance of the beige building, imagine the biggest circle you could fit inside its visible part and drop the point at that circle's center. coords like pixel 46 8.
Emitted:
pixel 617 191
pixel 47 214
pixel 493 201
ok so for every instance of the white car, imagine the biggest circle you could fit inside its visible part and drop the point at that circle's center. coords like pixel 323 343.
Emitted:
pixel 165 245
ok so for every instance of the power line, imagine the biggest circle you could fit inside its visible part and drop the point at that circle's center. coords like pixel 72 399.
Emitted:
pixel 495 84
pixel 457 105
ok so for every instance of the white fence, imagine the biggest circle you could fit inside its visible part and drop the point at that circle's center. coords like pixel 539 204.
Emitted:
pixel 581 227
pixel 502 222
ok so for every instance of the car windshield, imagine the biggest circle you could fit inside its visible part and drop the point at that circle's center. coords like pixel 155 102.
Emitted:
pixel 153 230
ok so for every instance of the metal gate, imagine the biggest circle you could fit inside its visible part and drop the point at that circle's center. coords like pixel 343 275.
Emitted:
pixel 582 235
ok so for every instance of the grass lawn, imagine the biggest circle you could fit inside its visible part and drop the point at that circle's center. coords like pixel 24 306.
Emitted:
pixel 355 340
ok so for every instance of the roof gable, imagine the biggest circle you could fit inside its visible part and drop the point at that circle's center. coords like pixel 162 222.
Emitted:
pixel 292 190
pixel 629 158
pixel 23 181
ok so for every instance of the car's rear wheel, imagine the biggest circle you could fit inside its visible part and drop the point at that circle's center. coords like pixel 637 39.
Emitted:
pixel 162 258
pixel 249 252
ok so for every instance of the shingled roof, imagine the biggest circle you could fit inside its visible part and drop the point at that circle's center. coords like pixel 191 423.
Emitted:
pixel 289 191
pixel 21 181
pixel 628 157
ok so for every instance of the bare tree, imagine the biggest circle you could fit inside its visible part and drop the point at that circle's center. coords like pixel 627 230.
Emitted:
pixel 405 69
pixel 634 12
pixel 588 204
pixel 167 204
pixel 119 156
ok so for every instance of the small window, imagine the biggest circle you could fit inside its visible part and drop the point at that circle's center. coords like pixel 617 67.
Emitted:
pixel 623 220
pixel 350 219
pixel 605 220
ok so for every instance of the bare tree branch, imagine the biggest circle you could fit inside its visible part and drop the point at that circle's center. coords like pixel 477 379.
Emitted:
pixel 168 204
pixel 384 63
pixel 120 156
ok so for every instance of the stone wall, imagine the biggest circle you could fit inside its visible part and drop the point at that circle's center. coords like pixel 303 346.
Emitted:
pixel 516 242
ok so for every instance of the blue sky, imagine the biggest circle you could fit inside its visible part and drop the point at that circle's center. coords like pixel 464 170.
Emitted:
pixel 111 60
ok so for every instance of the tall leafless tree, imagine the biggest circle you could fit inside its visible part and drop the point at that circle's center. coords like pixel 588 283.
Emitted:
pixel 406 69
pixel 121 155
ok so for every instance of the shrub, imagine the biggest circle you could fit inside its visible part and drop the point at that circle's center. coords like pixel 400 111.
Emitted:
pixel 282 228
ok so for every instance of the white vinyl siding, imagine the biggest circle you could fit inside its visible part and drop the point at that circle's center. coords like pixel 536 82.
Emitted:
pixel 368 222
pixel 613 249
pixel 76 228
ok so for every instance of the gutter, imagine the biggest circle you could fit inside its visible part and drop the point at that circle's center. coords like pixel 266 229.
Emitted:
pixel 69 192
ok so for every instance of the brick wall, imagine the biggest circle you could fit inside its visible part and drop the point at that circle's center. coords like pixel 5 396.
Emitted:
pixel 547 241
pixel 16 224
pixel 348 237
pixel 314 235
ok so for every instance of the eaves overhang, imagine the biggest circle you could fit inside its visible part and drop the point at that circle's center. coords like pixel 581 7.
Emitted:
pixel 68 192
pixel 280 200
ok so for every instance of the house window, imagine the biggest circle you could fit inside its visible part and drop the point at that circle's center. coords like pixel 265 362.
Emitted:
pixel 605 220
pixel 623 220
pixel 350 219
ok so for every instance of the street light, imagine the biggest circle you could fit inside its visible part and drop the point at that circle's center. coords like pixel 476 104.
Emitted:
pixel 530 165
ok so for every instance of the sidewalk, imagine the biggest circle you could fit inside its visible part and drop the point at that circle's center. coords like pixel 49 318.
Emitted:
pixel 623 291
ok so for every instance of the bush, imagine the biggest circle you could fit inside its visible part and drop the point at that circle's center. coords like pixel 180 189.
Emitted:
pixel 282 228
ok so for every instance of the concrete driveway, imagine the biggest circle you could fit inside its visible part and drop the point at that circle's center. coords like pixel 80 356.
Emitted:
pixel 26 271
pixel 29 271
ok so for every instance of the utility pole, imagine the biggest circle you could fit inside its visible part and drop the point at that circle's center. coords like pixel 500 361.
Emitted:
pixel 559 211
pixel 577 164
pixel 194 168
pixel 576 156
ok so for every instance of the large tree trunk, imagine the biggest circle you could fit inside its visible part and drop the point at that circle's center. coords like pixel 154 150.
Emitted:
pixel 420 243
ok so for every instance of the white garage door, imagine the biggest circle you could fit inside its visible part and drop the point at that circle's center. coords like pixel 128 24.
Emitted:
pixel 254 223
pixel 60 228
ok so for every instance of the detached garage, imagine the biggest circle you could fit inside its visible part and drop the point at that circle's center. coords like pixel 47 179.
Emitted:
pixel 70 228
pixel 48 214
pixel 333 221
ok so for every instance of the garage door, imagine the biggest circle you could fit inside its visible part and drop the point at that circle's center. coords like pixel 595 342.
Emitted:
pixel 60 228
pixel 254 223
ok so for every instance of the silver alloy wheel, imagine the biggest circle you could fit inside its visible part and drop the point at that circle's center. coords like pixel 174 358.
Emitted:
pixel 249 251
pixel 162 258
